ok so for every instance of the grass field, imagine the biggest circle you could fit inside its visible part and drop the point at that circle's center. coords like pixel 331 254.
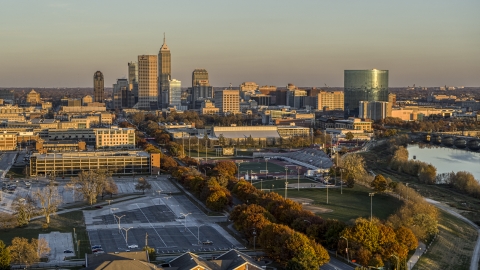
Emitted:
pixel 278 184
pixel 257 166
pixel 452 247
pixel 60 223
pixel 353 203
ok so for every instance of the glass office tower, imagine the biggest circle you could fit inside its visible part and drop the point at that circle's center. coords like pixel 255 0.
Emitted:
pixel 364 85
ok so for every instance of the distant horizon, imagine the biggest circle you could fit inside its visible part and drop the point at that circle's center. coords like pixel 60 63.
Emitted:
pixel 62 43
pixel 185 87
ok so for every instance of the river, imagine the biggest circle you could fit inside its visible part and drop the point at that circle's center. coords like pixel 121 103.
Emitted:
pixel 447 159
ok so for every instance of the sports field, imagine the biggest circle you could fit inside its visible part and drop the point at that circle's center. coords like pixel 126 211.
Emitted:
pixel 259 164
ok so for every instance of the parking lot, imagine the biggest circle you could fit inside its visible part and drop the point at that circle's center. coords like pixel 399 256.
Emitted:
pixel 168 239
pixel 170 224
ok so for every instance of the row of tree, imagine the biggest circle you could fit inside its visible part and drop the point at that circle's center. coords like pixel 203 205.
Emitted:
pixel 23 252
pixel 426 173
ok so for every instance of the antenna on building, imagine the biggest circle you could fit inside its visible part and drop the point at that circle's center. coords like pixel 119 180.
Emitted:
pixel 163 37
pixel 230 85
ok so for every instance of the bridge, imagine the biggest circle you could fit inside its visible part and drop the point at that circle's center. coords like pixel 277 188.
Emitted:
pixel 453 140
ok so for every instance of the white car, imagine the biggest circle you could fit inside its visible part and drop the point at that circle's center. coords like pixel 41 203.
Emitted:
pixel 133 246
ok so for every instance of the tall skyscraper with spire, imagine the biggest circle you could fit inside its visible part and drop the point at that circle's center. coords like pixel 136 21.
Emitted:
pixel 98 87
pixel 164 73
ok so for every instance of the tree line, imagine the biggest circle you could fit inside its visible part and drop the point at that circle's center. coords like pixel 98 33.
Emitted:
pixel 22 252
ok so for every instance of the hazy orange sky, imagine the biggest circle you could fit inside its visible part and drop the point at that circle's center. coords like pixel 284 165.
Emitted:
pixel 309 43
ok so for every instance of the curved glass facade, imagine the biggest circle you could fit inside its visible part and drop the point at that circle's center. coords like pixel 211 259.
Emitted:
pixel 364 85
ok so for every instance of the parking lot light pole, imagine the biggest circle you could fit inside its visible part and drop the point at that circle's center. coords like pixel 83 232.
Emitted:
pixel 298 178
pixel 126 234
pixel 254 241
pixel 371 205
pixel 119 218
pixel 185 215
pixel 198 232
pixel 286 182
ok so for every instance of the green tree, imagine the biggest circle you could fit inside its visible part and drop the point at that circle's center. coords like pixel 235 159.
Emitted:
pixel 379 183
pixel 354 166
pixel 4 257
pixel 143 184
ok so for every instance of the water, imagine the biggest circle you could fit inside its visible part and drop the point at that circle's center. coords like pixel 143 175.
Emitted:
pixel 447 159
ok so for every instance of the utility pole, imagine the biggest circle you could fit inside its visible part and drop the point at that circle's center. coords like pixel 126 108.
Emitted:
pixel 286 182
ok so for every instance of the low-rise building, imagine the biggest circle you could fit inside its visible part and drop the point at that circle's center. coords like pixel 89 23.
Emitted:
pixel 354 123
pixel 8 141
pixel 114 138
pixel 115 162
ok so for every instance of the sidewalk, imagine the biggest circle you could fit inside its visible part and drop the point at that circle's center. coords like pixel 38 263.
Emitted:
pixel 416 256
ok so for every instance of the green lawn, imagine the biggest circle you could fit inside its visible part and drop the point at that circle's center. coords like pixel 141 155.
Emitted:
pixel 259 164
pixel 353 203
pixel 277 184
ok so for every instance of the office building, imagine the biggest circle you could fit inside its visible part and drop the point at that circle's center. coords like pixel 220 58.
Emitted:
pixel 208 107
pixel 86 100
pixel 227 101
pixel 364 85
pixel 296 98
pixel 200 77
pixel 122 95
pixel 114 138
pixel 98 87
pixel 175 93
pixel 147 82
pixel 330 101
pixel 133 81
pixel 374 110
pixel 8 141
pixel 115 162
pixel 164 73
pixel 33 98
pixel 8 96
pixel 248 86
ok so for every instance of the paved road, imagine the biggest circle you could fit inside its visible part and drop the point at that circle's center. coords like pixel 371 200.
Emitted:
pixel 476 251
pixel 335 264
pixel 6 162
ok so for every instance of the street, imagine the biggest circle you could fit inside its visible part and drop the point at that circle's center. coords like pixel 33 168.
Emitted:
pixel 335 264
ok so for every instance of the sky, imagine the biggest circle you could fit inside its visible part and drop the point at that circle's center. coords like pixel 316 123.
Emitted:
pixel 61 43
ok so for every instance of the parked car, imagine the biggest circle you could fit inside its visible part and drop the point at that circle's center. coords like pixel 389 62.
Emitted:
pixel 68 251
pixel 207 242
pixel 96 246
pixel 133 246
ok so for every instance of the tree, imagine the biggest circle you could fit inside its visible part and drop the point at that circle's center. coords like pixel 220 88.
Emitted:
pixel 379 184
pixel 42 247
pixel 23 252
pixel 24 208
pixel 48 199
pixel 143 184
pixel 138 117
pixel 4 257
pixel 354 166
pixel 90 184
pixel 349 136
pixel 7 221
pixel 427 174
pixel 110 188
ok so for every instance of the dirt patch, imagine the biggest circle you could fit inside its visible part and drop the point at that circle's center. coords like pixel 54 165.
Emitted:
pixel 308 205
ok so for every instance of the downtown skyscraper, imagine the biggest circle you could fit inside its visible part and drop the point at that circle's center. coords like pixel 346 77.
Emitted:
pixel 98 87
pixel 164 74
pixel 147 82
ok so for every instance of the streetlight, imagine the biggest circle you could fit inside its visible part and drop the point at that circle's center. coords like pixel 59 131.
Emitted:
pixel 254 240
pixel 341 180
pixel 119 218
pixel 189 153
pixel 347 246
pixel 396 257
pixel 126 234
pixel 371 204
pixel 185 215
pixel 198 233
pixel 406 184
pixel 298 178
pixel 286 182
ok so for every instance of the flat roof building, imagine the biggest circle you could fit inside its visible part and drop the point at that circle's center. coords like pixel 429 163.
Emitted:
pixel 115 162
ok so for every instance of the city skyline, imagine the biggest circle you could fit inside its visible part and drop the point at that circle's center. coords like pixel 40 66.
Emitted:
pixel 62 43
